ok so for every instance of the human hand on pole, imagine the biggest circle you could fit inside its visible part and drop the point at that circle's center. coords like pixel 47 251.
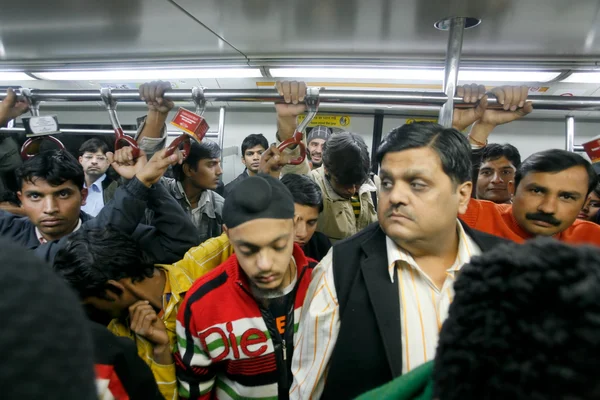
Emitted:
pixel 471 94
pixel 12 107
pixel 293 93
pixel 514 106
pixel 153 93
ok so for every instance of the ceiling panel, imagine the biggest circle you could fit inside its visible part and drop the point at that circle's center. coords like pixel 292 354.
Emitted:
pixel 383 28
pixel 103 30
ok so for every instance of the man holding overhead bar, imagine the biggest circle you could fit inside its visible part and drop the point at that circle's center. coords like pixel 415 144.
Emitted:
pixel 349 195
pixel 550 187
pixel 197 178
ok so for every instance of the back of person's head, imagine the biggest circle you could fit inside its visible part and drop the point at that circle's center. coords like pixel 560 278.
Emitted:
pixel 206 149
pixel 450 145
pixel 494 151
pixel 304 190
pixel 253 140
pixel 92 257
pixel 93 146
pixel 346 157
pixel 55 167
pixel 555 160
pixel 523 325
pixel 46 348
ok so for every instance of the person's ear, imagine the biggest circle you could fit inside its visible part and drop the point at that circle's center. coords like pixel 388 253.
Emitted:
pixel 114 290
pixel 84 195
pixel 464 191
pixel 511 188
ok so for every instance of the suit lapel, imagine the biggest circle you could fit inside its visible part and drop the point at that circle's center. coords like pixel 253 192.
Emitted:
pixel 384 297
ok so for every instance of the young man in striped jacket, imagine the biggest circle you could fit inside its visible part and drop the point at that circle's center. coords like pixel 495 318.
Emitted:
pixel 236 325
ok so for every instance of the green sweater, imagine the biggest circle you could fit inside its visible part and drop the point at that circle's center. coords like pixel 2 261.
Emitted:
pixel 416 385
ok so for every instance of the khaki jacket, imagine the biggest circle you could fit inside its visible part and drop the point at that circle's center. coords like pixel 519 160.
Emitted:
pixel 337 221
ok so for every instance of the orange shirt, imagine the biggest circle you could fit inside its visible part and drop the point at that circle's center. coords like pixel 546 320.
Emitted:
pixel 498 219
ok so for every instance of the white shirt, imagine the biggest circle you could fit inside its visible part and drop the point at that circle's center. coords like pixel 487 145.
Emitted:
pixel 422 312
pixel 95 200
pixel 424 306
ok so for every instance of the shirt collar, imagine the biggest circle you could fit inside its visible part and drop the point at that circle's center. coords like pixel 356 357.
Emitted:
pixel 466 249
pixel 97 182
pixel 205 198
pixel 43 240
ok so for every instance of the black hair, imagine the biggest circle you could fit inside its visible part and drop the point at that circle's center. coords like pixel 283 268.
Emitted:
pixel 92 146
pixel 523 325
pixel 555 160
pixel 346 157
pixel 597 190
pixel 92 257
pixel 54 166
pixel 304 190
pixel 255 139
pixel 206 149
pixel 494 151
pixel 450 145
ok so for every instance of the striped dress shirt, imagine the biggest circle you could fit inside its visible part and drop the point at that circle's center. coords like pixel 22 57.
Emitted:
pixel 423 308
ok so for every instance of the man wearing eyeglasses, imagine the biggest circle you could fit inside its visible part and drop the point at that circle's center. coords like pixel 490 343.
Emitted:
pixel 101 188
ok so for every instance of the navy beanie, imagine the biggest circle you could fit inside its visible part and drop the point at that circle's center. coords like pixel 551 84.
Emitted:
pixel 260 196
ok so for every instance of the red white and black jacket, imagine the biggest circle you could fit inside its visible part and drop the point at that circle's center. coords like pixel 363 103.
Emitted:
pixel 229 346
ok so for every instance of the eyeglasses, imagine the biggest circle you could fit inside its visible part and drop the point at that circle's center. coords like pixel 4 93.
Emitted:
pixel 98 158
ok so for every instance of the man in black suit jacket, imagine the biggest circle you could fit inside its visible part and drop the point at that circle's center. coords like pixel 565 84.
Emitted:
pixel 377 300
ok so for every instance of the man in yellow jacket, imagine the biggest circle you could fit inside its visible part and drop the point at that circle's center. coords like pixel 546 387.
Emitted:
pixel 143 299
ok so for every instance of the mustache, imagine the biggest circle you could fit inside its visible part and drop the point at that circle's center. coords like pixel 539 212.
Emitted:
pixel 396 209
pixel 547 218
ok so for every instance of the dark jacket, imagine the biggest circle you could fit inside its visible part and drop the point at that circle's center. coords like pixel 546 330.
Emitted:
pixel 109 188
pixel 165 242
pixel 119 369
pixel 229 187
pixel 415 385
pixel 368 351
pixel 317 247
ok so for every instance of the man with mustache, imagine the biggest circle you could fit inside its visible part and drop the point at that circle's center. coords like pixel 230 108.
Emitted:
pixel 316 141
pixel 377 299
pixel 101 188
pixel 550 187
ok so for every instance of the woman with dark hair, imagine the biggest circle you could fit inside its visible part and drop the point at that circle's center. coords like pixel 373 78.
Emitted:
pixel 589 211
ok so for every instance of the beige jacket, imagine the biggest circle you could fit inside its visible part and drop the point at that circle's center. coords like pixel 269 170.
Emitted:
pixel 337 221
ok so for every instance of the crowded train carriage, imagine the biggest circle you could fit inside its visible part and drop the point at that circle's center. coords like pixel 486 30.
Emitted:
pixel 300 200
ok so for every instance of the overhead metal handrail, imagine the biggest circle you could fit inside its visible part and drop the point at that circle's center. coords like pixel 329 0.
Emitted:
pixel 326 96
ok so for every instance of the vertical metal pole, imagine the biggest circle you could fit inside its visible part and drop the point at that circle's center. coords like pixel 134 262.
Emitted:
pixel 221 129
pixel 570 133
pixel 377 135
pixel 455 42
